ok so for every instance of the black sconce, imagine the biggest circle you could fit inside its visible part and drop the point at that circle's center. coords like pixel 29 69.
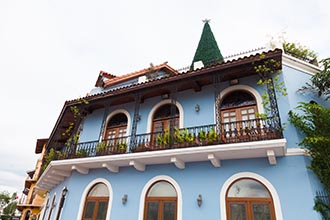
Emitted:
pixel 199 200
pixel 124 199
pixel 196 108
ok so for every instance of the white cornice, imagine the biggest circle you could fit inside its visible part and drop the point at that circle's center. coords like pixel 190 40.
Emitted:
pixel 214 153
pixel 300 65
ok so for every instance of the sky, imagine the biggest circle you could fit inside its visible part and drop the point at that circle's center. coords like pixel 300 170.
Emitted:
pixel 53 50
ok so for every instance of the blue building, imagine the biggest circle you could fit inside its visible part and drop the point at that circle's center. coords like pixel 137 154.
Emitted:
pixel 159 144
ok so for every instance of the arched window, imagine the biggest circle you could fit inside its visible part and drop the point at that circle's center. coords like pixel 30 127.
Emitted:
pixel 167 115
pixel 238 111
pixel 96 203
pixel 52 205
pixel 116 127
pixel 161 202
pixel 248 199
pixel 27 215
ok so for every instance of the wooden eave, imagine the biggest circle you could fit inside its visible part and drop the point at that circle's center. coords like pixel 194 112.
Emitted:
pixel 196 79
pixel 40 144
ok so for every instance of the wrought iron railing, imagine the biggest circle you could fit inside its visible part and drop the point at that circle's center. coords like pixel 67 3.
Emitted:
pixel 231 132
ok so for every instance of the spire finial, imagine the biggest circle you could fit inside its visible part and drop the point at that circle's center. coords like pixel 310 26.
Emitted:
pixel 206 20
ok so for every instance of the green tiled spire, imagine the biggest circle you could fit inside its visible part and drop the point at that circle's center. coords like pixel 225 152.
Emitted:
pixel 207 51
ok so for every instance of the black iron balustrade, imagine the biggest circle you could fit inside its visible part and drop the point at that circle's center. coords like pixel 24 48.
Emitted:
pixel 230 132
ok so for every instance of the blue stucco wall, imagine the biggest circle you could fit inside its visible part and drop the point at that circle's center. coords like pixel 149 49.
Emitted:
pixel 289 177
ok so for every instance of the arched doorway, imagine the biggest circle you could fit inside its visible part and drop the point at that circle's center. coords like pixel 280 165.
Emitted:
pixel 248 199
pixel 161 202
pixel 96 203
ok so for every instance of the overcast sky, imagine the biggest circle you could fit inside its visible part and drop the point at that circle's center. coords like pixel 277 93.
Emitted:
pixel 52 51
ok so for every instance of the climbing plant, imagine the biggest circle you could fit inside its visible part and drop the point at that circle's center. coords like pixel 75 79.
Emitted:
pixel 266 69
pixel 299 51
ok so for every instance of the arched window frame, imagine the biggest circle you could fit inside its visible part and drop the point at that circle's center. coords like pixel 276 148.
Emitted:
pixel 249 175
pixel 27 212
pixel 159 104
pixel 87 190
pixel 245 88
pixel 52 206
pixel 150 183
pixel 113 113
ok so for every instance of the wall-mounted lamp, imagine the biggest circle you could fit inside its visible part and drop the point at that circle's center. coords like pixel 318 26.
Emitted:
pixel 196 108
pixel 34 217
pixel 233 82
pixel 124 199
pixel 138 117
pixel 64 191
pixel 165 96
pixel 199 200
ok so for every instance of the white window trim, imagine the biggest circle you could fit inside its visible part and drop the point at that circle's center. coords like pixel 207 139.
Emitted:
pixel 113 113
pixel 154 109
pixel 87 189
pixel 50 209
pixel 247 88
pixel 150 183
pixel 269 186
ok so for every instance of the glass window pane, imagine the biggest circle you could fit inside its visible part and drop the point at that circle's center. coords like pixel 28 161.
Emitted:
pixel 226 114
pixel 261 212
pixel 162 189
pixel 232 113
pixel 244 118
pixel 152 210
pixel 237 211
pixel 89 210
pixel 251 110
pixel 102 211
pixel 248 188
pixel 243 112
pixel 169 210
pixel 98 190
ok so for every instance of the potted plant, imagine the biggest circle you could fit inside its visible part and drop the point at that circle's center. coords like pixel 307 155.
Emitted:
pixel 82 153
pixel 212 136
pixel 101 148
pixel 202 137
pixel 119 148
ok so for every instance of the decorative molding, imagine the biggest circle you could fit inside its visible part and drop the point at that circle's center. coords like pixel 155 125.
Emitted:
pixel 263 180
pixel 244 150
pixel 80 169
pixel 300 65
pixel 61 173
pixel 295 152
pixel 271 157
pixel 111 168
pixel 159 104
pixel 117 111
pixel 215 161
pixel 137 165
pixel 150 183
pixel 178 163
pixel 86 191
pixel 247 88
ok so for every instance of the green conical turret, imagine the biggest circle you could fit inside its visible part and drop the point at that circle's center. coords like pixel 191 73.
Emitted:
pixel 207 51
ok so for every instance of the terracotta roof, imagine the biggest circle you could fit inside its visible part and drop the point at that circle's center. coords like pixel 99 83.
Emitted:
pixel 118 79
pixel 203 70
pixel 100 82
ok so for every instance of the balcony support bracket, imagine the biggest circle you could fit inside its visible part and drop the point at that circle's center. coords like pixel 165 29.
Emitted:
pixel 178 163
pixel 137 165
pixel 215 161
pixel 111 168
pixel 80 169
pixel 271 157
